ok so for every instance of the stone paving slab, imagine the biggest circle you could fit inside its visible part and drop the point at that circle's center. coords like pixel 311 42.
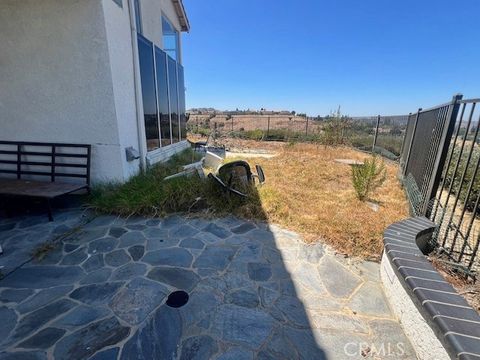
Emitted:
pixel 256 291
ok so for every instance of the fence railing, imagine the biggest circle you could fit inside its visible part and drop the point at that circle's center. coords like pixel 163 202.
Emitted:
pixel 381 134
pixel 439 163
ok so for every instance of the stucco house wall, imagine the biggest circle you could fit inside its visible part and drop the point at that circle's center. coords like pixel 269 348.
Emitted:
pixel 56 83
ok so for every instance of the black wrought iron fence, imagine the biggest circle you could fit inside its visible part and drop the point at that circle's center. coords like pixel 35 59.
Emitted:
pixel 389 133
pixel 439 163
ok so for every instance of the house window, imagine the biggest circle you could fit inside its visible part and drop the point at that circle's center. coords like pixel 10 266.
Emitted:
pixel 163 93
pixel 170 39
pixel 173 95
pixel 163 97
pixel 138 16
pixel 149 94
pixel 181 103
pixel 119 3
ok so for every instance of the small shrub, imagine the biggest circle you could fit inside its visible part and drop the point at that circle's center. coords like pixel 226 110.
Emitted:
pixel 368 177
pixel 334 129
pixel 202 131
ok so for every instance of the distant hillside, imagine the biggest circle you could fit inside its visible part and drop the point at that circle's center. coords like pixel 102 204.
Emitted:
pixel 212 111
pixel 252 122
pixel 399 120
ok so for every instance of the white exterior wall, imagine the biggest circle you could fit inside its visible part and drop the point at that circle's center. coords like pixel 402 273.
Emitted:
pixel 55 77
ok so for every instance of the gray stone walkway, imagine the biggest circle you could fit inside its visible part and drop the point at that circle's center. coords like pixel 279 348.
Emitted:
pixel 256 292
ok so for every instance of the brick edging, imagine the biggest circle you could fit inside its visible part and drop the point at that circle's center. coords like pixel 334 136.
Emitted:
pixel 454 321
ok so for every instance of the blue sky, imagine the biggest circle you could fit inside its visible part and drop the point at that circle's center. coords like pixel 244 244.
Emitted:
pixel 368 56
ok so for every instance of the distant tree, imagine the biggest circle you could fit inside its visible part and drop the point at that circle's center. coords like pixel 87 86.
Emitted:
pixel 334 128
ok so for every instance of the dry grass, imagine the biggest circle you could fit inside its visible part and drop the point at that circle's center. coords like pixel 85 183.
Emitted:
pixel 307 191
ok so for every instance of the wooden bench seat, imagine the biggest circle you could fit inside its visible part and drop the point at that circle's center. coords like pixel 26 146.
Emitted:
pixel 39 189
pixel 38 170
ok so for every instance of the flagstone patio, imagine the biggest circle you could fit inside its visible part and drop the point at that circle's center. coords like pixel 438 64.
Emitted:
pixel 255 291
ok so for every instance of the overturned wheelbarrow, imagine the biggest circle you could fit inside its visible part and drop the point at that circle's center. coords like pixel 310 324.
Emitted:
pixel 236 177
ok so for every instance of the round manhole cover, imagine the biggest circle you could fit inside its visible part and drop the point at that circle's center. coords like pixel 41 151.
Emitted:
pixel 177 299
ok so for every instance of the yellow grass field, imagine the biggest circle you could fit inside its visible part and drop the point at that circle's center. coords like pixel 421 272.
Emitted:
pixel 307 191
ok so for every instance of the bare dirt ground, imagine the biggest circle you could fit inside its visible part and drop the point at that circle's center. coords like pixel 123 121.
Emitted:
pixel 467 288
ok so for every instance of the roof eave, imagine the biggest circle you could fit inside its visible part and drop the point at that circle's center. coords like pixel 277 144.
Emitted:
pixel 182 15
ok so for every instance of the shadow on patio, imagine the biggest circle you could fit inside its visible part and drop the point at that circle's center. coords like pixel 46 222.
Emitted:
pixel 255 291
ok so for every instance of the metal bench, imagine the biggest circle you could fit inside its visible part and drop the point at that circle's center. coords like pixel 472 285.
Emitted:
pixel 43 170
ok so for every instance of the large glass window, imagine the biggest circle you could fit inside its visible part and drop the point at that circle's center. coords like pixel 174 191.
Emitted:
pixel 147 76
pixel 170 39
pixel 173 92
pixel 162 93
pixel 181 103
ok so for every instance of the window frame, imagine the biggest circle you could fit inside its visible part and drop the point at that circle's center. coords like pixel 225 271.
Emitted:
pixel 138 16
pixel 177 57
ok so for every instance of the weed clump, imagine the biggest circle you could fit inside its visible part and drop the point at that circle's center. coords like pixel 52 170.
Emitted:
pixel 368 177
pixel 149 195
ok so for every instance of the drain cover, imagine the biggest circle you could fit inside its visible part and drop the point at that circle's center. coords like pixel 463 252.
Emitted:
pixel 177 299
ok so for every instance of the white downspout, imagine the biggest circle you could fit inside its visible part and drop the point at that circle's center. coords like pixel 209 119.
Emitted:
pixel 142 142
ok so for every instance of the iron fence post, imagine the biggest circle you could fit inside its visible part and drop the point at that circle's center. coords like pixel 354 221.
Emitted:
pixel 376 134
pixel 442 155
pixel 407 159
pixel 268 127
pixel 404 137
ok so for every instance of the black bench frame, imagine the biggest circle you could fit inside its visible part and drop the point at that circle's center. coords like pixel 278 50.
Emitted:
pixel 30 157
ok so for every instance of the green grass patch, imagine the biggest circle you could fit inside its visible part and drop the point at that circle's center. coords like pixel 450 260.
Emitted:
pixel 149 195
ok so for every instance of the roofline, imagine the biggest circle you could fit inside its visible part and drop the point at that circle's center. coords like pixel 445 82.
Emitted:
pixel 182 15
